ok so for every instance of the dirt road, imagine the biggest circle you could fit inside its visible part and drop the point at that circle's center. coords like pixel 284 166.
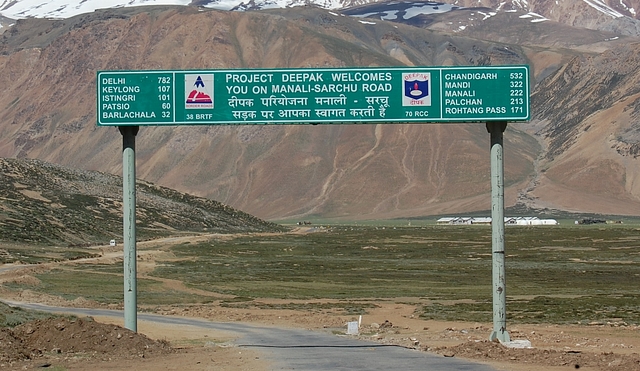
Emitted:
pixel 295 349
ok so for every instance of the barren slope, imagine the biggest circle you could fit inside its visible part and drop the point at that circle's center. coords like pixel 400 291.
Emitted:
pixel 48 69
pixel 591 127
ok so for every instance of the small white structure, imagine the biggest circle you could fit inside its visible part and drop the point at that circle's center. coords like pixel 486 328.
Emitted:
pixel 352 328
pixel 112 243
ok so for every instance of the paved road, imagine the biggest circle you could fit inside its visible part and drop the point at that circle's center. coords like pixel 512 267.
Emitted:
pixel 302 350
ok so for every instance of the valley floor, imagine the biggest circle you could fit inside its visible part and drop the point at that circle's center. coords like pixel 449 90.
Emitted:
pixel 597 346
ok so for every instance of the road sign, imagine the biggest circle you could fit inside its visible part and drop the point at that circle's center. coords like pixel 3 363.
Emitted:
pixel 313 96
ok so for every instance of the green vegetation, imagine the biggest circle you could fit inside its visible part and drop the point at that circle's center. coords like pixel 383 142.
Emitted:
pixel 107 287
pixel 30 254
pixel 559 274
pixel 344 307
pixel 11 317
pixel 554 274
pixel 344 263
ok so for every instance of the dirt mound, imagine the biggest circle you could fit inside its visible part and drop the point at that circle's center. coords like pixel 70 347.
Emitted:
pixel 493 351
pixel 70 336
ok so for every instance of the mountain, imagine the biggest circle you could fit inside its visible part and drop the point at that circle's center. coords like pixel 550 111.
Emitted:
pixel 47 203
pixel 570 157
pixel 470 17
pixel 617 16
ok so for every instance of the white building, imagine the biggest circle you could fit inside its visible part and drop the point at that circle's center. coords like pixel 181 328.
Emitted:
pixel 519 220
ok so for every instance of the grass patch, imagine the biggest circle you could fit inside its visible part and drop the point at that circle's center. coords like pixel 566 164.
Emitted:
pixel 14 316
pixel 34 254
pixel 545 309
pixel 562 274
pixel 347 308
pixel 345 263
pixel 107 288
pixel 451 263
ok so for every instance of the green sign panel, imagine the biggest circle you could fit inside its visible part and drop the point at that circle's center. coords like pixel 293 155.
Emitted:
pixel 313 96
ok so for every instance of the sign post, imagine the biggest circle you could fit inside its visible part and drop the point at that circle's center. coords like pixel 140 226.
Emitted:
pixel 496 129
pixel 314 96
pixel 129 225
pixel 491 94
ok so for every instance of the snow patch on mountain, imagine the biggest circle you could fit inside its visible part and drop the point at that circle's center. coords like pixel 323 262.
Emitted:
pixel 604 8
pixel 270 4
pixel 487 15
pixel 405 9
pixel 59 9
pixel 18 9
pixel 535 17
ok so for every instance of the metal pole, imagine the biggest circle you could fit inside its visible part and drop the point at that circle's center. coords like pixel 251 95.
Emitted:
pixel 129 237
pixel 496 129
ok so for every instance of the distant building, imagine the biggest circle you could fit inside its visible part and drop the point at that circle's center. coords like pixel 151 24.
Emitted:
pixel 530 220
pixel 520 220
pixel 446 220
pixel 481 220
pixel 459 220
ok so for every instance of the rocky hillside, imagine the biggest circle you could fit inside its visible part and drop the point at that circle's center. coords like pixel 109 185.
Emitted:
pixel 48 69
pixel 618 16
pixel 591 108
pixel 615 16
pixel 468 16
pixel 45 203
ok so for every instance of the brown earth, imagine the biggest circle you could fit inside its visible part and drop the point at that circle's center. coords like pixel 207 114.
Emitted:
pixel 72 336
pixel 100 343
pixel 86 344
